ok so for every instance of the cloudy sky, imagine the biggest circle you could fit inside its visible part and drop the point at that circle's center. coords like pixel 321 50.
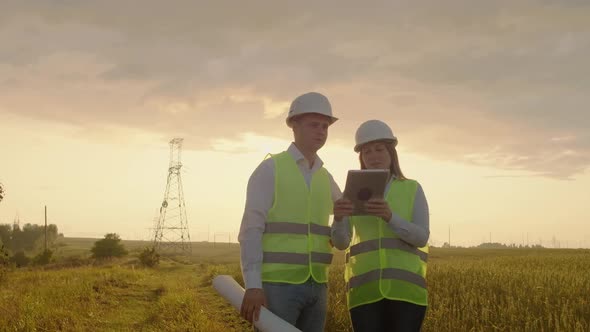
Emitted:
pixel 488 98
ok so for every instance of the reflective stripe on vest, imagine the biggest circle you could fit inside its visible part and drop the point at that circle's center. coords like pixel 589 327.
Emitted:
pixel 381 265
pixel 296 238
pixel 298 259
pixel 296 228
pixel 388 273
pixel 386 243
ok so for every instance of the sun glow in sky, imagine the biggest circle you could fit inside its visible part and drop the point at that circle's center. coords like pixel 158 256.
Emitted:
pixel 488 99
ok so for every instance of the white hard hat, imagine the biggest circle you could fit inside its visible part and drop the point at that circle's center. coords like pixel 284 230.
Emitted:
pixel 311 102
pixel 373 130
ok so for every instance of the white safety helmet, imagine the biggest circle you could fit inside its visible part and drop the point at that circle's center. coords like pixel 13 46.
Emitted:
pixel 373 130
pixel 311 102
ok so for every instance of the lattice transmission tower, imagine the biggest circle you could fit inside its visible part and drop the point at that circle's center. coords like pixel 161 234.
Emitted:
pixel 171 229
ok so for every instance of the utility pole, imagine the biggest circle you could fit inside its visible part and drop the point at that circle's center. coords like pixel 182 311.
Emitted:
pixel 449 236
pixel 45 227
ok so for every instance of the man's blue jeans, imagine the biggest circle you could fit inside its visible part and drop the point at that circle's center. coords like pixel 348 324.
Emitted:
pixel 303 306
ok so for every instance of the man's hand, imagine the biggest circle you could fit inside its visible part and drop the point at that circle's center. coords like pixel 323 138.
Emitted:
pixel 342 208
pixel 378 208
pixel 253 299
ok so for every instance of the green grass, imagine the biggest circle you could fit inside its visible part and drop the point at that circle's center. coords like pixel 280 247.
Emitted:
pixel 219 253
pixel 116 298
pixel 470 290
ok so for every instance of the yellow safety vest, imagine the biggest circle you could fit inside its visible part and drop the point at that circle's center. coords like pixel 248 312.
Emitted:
pixel 296 239
pixel 378 263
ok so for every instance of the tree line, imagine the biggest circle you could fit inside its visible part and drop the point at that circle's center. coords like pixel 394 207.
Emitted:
pixel 29 237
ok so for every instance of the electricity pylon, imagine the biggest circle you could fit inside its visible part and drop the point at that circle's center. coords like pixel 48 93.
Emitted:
pixel 171 231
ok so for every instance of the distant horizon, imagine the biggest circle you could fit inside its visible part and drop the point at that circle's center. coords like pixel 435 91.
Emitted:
pixel 559 244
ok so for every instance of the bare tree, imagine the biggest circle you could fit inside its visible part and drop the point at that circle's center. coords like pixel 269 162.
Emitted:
pixel 1 191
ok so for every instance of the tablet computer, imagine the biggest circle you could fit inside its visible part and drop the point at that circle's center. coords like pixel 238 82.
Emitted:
pixel 364 184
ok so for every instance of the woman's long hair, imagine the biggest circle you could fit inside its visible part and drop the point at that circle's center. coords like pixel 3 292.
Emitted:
pixel 394 168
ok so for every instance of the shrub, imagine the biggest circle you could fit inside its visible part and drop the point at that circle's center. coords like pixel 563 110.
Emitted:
pixel 108 247
pixel 4 263
pixel 20 259
pixel 4 257
pixel 149 257
pixel 43 258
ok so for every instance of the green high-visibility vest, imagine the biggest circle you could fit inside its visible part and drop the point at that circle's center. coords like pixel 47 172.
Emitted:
pixel 378 263
pixel 296 239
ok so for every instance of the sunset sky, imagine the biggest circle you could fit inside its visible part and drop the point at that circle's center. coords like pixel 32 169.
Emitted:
pixel 489 100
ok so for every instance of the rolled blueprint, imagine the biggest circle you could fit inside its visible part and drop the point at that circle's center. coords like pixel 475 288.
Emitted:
pixel 234 293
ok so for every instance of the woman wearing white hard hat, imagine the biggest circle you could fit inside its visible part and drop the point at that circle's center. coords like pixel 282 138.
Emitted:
pixel 386 251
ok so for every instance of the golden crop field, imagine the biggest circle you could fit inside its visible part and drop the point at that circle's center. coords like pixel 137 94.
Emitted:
pixel 470 290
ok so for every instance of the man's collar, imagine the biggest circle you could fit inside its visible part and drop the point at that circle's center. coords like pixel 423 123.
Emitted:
pixel 298 156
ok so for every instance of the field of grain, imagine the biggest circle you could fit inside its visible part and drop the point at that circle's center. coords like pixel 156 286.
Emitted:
pixel 470 290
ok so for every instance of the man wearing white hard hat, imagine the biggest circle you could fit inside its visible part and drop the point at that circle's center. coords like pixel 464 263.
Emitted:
pixel 386 251
pixel 285 234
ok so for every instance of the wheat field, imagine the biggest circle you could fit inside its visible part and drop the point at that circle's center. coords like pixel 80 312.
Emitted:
pixel 469 289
